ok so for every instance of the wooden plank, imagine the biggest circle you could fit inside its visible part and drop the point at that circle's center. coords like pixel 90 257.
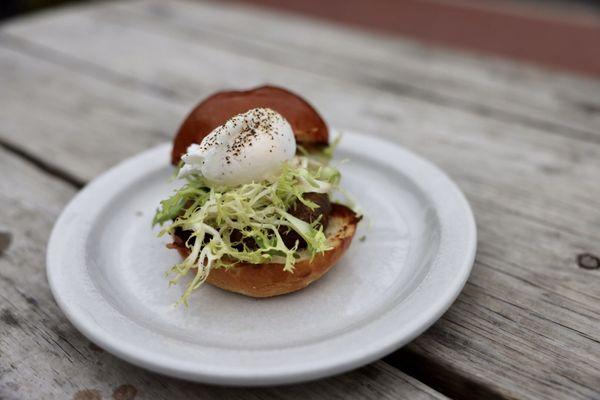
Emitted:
pixel 526 324
pixel 557 102
pixel 43 357
pixel 87 118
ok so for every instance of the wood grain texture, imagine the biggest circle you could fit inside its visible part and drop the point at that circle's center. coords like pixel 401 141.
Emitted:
pixel 98 121
pixel 481 85
pixel 42 356
pixel 528 31
pixel 522 144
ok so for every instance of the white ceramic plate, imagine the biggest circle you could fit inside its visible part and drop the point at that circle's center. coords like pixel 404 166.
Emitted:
pixel 106 270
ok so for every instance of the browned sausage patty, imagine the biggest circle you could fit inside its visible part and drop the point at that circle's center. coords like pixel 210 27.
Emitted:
pixel 305 213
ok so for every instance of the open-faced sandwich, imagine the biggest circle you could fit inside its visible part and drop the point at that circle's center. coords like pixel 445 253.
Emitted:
pixel 255 214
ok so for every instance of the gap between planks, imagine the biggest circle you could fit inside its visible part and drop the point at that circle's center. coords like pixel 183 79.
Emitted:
pixel 43 165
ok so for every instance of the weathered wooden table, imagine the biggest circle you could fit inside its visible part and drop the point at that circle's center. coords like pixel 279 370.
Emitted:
pixel 82 88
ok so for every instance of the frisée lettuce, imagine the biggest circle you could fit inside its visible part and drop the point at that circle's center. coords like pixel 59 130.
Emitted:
pixel 223 220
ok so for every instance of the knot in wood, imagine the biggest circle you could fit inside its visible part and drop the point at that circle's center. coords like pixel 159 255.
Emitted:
pixel 5 240
pixel 588 261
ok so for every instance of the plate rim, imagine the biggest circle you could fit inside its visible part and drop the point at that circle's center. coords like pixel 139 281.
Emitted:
pixel 283 375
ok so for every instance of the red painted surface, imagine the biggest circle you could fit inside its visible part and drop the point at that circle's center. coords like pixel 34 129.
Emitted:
pixel 567 40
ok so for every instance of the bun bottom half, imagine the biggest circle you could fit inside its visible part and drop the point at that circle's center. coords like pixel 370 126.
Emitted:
pixel 267 280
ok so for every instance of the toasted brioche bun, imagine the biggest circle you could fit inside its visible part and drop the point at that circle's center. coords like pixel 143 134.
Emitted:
pixel 267 280
pixel 308 126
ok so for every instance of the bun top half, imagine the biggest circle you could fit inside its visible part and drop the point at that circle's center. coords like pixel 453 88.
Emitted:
pixel 308 126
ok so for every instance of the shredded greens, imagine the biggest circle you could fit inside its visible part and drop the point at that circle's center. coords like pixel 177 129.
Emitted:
pixel 223 220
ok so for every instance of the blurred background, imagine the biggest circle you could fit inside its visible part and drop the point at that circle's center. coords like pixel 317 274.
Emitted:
pixel 559 34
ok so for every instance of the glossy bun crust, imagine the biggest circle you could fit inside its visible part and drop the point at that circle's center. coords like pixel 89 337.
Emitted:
pixel 267 280
pixel 308 126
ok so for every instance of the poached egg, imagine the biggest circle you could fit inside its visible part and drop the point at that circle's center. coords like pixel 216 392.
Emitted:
pixel 248 147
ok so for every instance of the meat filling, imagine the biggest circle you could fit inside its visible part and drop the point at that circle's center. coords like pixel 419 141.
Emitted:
pixel 305 213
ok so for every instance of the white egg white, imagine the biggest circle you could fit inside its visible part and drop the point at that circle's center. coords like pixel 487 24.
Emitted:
pixel 249 147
